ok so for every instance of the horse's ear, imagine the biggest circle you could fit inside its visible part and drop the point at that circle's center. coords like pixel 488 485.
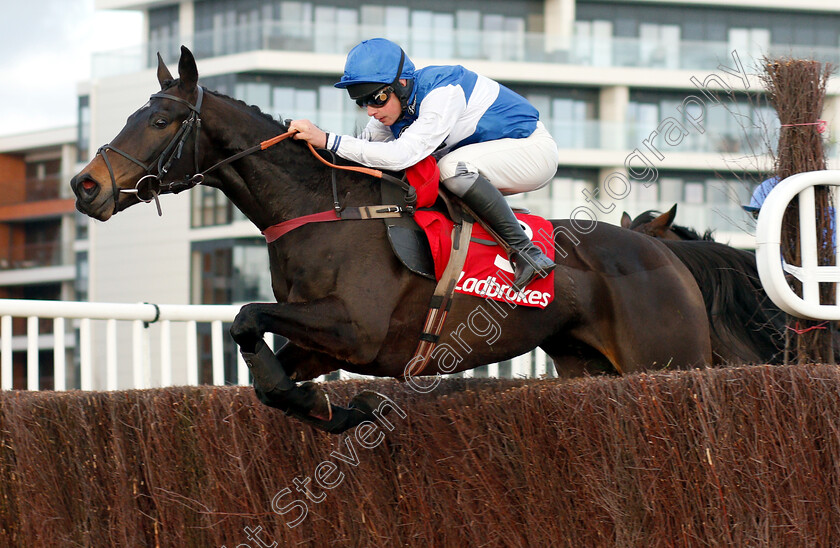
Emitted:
pixel 187 70
pixel 659 226
pixel 672 214
pixel 163 74
pixel 626 221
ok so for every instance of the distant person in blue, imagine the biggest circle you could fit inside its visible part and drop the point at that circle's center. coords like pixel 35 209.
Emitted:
pixel 759 195
pixel 763 190
pixel 487 139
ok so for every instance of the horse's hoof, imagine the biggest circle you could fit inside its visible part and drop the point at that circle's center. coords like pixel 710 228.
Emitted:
pixel 368 401
pixel 321 408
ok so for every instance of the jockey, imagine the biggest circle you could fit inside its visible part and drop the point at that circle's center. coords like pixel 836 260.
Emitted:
pixel 487 139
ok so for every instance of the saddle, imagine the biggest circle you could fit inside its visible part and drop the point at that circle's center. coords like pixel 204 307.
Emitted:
pixel 408 239
pixel 408 234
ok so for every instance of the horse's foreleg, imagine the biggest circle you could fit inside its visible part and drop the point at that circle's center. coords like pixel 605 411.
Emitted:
pixel 325 326
pixel 273 373
pixel 306 402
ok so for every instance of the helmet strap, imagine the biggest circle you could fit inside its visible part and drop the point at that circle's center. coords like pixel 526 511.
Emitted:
pixel 403 92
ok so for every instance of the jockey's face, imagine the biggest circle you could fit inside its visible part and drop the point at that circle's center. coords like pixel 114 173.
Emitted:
pixel 388 113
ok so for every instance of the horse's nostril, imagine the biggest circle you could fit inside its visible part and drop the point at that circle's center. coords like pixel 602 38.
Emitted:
pixel 85 186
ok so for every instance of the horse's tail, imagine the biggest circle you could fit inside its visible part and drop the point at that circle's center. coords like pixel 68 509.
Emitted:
pixel 744 323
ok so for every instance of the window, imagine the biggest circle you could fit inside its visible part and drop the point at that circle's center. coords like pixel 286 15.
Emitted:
pixel 83 124
pixel 469 32
pixel 82 276
pixel 659 31
pixel 210 207
pixel 164 34
pixel 706 201
pixel 230 271
pixel 694 193
pixel 43 180
pixel 570 115
pixel 732 125
pixel 593 44
pixel 335 29
pixel 749 43
pixel 659 45
pixel 561 196
pixel 43 243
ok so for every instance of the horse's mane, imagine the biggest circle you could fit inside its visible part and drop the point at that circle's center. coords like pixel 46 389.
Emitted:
pixel 684 232
pixel 280 124
pixel 254 108
pixel 737 306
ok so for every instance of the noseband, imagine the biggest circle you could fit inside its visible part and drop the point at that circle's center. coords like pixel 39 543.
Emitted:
pixel 149 186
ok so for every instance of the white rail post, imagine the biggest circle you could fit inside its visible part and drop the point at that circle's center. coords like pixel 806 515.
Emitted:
pixel 6 362
pixel 241 370
pixel 137 354
pixel 59 355
pixel 542 367
pixel 521 366
pixel 165 353
pixel 111 372
pixel 32 369
pixel 217 345
pixel 85 355
pixel 808 245
pixel 192 353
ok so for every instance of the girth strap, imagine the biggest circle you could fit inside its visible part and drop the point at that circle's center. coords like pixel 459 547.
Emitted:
pixel 274 232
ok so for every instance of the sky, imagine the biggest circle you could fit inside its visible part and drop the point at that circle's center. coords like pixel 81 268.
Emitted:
pixel 45 51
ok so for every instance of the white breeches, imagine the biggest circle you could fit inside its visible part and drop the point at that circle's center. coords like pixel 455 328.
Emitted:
pixel 511 165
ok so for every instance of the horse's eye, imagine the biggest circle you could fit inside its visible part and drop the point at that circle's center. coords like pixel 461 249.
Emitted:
pixel 161 123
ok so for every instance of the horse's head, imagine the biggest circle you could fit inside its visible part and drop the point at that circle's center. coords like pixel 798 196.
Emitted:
pixel 661 226
pixel 652 223
pixel 154 153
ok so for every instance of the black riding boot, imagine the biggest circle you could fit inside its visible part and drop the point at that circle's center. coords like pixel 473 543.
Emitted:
pixel 488 203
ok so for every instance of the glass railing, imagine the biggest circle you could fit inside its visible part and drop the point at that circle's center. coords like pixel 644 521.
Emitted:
pixel 577 134
pixel 718 217
pixel 36 190
pixel 448 44
pixel 749 141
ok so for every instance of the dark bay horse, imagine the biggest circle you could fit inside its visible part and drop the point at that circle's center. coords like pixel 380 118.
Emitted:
pixel 746 326
pixel 624 303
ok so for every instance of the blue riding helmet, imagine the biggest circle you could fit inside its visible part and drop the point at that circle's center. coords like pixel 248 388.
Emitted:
pixel 373 64
pixel 760 194
pixel 375 61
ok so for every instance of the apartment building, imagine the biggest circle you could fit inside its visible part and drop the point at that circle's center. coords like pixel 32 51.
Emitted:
pixel 651 103
pixel 39 256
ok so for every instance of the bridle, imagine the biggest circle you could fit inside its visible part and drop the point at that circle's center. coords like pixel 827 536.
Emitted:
pixel 149 186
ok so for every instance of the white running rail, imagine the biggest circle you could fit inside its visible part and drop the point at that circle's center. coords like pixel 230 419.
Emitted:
pixel 768 235
pixel 140 315
pixel 149 323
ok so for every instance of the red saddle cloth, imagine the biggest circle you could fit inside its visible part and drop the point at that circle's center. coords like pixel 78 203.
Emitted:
pixel 487 272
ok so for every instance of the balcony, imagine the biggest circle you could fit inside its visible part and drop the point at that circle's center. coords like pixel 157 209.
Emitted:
pixel 34 255
pixel 449 44
pixel 34 190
